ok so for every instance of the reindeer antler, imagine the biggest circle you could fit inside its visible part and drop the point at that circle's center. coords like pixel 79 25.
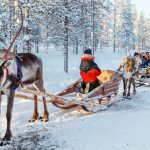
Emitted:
pixel 17 32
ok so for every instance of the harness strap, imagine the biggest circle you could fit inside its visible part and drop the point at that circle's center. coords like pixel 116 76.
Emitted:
pixel 19 71
pixel 7 73
pixel 16 79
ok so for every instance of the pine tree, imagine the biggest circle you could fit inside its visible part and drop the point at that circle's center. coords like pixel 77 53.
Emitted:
pixel 124 25
pixel 147 34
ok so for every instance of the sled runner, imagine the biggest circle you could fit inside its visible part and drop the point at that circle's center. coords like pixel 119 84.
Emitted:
pixel 98 99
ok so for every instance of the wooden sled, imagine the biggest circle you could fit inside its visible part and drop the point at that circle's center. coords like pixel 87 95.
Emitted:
pixel 142 78
pixel 98 99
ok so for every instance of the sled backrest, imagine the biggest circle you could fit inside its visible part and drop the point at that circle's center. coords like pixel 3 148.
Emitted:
pixel 111 81
pixel 106 76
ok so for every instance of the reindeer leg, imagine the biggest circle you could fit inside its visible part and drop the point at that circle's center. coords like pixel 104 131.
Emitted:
pixel 124 87
pixel 0 102
pixel 35 114
pixel 39 85
pixel 0 111
pixel 8 134
pixel 133 83
pixel 46 114
pixel 129 86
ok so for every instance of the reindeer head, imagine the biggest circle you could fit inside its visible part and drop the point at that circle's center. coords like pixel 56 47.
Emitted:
pixel 5 56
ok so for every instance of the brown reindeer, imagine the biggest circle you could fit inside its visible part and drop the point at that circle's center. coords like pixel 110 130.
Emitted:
pixel 16 69
pixel 128 70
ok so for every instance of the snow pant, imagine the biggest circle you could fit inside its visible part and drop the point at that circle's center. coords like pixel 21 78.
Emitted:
pixel 88 87
pixel 149 61
pixel 144 63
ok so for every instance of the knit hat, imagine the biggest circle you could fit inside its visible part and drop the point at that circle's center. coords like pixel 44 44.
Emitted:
pixel 88 51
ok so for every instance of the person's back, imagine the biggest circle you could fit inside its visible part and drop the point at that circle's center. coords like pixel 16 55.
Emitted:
pixel 144 61
pixel 138 61
pixel 89 72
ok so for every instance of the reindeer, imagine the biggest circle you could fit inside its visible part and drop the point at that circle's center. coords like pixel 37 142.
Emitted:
pixel 128 67
pixel 20 69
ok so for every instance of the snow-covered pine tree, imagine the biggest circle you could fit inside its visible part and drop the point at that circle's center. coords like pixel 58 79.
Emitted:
pixel 140 33
pixel 40 13
pixel 9 16
pixel 105 24
pixel 27 27
pixel 75 29
pixel 89 23
pixel 124 25
pixel 114 26
pixel 147 34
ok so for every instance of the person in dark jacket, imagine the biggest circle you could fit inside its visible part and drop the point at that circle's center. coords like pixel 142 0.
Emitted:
pixel 89 72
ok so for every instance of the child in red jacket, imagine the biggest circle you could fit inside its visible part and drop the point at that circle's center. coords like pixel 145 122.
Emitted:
pixel 89 72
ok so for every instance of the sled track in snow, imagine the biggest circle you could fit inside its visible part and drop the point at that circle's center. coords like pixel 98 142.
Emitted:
pixel 36 135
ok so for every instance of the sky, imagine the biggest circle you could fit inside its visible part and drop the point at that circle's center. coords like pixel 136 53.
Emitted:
pixel 142 5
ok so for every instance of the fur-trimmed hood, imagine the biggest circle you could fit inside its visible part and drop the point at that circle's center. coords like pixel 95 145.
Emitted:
pixel 87 57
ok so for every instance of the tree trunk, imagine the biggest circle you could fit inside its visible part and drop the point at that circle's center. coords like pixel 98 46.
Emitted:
pixel 47 45
pixel 27 31
pixel 77 48
pixel 84 36
pixel 66 39
pixel 10 21
pixel 93 20
pixel 37 45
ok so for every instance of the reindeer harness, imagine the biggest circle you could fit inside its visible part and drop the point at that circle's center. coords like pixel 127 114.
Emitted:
pixel 15 78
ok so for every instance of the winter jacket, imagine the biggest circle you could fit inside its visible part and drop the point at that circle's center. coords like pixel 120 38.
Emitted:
pixel 89 69
pixel 146 57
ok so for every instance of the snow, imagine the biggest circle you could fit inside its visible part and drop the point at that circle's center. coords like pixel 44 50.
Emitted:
pixel 124 126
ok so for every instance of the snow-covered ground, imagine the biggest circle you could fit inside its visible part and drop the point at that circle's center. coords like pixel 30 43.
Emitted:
pixel 125 126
